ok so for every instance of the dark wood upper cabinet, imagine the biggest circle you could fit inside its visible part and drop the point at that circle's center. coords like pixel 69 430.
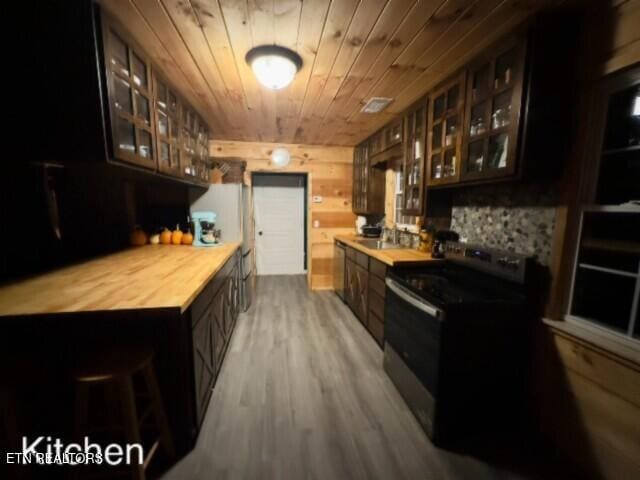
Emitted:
pixel 128 74
pixel 386 144
pixel 167 120
pixel 368 183
pixel 105 102
pixel 493 112
pixel 413 164
pixel 444 142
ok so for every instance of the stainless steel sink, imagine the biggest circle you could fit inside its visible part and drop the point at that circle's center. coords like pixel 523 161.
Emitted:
pixel 375 244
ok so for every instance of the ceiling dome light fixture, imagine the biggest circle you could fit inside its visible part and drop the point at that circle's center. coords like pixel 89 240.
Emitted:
pixel 274 66
pixel 280 157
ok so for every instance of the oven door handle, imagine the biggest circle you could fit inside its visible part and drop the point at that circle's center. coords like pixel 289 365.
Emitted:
pixel 412 299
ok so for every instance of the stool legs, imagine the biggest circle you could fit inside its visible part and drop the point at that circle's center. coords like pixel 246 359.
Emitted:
pixel 130 420
pixel 119 387
pixel 158 410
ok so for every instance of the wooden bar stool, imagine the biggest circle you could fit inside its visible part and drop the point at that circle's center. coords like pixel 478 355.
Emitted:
pixel 116 371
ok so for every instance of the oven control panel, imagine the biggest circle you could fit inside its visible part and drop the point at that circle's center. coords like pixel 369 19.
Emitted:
pixel 509 265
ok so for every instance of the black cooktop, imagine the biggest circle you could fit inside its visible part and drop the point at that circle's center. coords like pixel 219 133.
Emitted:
pixel 450 284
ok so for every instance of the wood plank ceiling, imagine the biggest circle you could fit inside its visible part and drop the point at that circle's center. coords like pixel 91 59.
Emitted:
pixel 352 50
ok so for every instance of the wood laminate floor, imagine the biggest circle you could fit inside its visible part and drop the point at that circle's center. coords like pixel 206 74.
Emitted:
pixel 302 395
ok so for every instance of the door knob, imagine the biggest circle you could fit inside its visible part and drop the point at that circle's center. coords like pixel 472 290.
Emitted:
pixel 260 232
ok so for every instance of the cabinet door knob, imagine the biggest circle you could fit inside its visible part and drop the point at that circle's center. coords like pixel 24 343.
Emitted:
pixel 260 232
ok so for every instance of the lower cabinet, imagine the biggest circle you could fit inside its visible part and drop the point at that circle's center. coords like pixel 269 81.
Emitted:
pixel 213 316
pixel 365 291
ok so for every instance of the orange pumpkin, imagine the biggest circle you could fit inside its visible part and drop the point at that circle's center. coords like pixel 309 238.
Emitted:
pixel 176 236
pixel 187 238
pixel 138 237
pixel 165 237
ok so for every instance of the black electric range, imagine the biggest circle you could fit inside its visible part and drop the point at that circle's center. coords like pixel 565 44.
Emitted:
pixel 456 339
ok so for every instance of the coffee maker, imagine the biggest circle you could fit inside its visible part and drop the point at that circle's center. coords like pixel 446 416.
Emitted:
pixel 204 232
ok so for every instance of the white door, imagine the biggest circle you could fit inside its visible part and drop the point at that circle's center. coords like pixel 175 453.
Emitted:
pixel 279 230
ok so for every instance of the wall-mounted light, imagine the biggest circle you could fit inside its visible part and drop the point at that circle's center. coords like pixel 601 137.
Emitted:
pixel 274 66
pixel 280 157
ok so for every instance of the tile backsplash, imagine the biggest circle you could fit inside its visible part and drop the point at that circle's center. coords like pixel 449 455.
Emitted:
pixel 515 217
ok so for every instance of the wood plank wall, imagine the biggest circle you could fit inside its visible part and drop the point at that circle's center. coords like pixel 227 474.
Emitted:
pixel 329 170
pixel 590 392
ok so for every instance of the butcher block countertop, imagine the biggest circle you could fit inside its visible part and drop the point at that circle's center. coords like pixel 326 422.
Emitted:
pixel 149 277
pixel 391 256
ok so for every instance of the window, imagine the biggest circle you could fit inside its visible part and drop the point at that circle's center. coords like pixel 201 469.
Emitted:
pixel 606 281
pixel 401 220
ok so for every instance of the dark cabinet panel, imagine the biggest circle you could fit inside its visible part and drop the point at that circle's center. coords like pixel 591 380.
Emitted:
pixel 203 360
pixel 365 291
pixel 351 289
pixel 212 327
pixel 362 292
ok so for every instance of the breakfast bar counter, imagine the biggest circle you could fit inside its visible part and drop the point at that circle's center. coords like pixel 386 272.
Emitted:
pixel 180 301
pixel 148 277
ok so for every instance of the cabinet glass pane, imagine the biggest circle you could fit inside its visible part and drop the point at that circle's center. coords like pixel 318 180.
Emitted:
pixel 142 107
pixel 436 139
pixel 409 199
pixel 186 119
pixel 139 71
pixel 122 95
pixel 163 124
pixel 449 167
pixel 436 166
pixel 505 65
pixel 501 112
pixel 175 156
pixel 395 133
pixel 173 128
pixel 478 124
pixel 603 297
pixel 498 148
pixel 124 134
pixel 164 154
pixel 188 165
pixel 438 106
pixel 162 95
pixel 451 131
pixel 173 103
pixel 475 162
pixel 481 82
pixel 144 149
pixel 119 55
pixel 453 95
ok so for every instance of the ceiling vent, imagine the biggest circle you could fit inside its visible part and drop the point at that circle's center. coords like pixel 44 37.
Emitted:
pixel 376 104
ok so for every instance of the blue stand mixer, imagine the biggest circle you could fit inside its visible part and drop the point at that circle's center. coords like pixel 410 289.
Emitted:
pixel 205 235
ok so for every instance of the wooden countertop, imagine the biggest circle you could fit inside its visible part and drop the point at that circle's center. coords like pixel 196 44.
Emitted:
pixel 149 277
pixel 392 256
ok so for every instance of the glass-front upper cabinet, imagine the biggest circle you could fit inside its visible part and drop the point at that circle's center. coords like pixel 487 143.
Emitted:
pixel 360 165
pixel 413 165
pixel 446 114
pixel 494 96
pixel 167 114
pixel 195 147
pixel 130 101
